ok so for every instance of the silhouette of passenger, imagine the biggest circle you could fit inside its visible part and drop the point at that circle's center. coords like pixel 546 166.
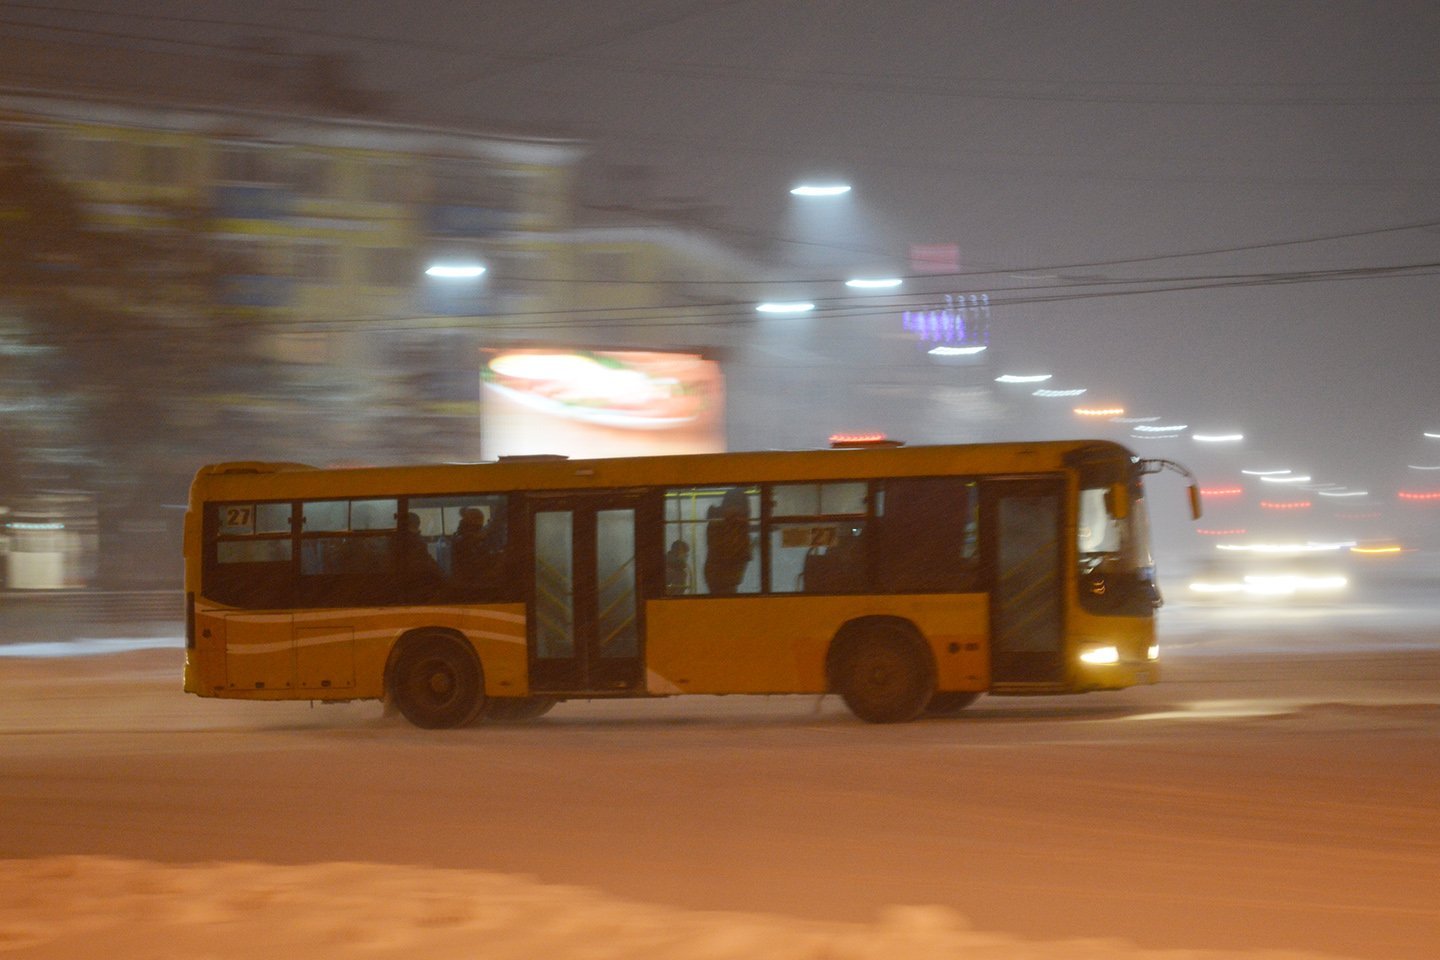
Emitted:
pixel 727 543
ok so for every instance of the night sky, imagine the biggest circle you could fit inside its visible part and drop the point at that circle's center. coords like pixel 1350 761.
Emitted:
pixel 1084 147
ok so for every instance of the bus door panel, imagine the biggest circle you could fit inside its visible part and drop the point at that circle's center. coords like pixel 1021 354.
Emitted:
pixel 1024 522
pixel 585 622
pixel 259 653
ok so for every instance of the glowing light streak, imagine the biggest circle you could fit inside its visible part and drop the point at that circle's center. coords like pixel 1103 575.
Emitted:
pixel 1235 532
pixel 1135 419
pixel 1432 436
pixel 1172 428
pixel 1290 505
pixel 1373 551
pixel 1217 437
pixel 1408 495
pixel 1098 411
pixel 874 283
pixel 782 307
pixel 1264 473
pixel 1059 393
pixel 956 351
pixel 1416 466
pixel 1208 492
pixel 1287 549
pixel 1023 378
pixel 1279 479
pixel 454 271
pixel 820 189
pixel 1343 493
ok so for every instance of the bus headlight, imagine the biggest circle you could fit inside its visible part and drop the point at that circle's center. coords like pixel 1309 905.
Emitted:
pixel 1100 655
pixel 1152 652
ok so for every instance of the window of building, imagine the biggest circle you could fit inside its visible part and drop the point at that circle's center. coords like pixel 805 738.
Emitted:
pixel 390 267
pixel 312 174
pixel 96 159
pixel 387 182
pixel 317 262
pixel 161 164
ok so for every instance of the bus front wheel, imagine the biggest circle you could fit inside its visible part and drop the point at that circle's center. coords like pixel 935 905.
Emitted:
pixel 436 683
pixel 884 676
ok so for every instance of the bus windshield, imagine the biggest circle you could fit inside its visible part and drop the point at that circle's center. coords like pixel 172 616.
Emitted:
pixel 1113 550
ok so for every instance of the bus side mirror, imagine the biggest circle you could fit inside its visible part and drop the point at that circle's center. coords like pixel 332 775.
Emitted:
pixel 1194 502
pixel 1117 501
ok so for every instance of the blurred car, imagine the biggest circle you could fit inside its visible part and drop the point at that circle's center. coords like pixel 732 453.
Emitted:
pixel 1247 576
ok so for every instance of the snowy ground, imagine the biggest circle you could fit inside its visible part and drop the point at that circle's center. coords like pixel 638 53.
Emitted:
pixel 1274 797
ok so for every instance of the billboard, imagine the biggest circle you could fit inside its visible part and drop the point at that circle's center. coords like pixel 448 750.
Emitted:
pixel 599 403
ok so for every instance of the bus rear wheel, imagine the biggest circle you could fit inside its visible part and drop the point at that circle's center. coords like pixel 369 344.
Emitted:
pixel 515 709
pixel 949 703
pixel 885 676
pixel 436 683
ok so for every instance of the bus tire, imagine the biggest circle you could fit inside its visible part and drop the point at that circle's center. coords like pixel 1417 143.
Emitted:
pixel 436 682
pixel 515 709
pixel 884 674
pixel 949 703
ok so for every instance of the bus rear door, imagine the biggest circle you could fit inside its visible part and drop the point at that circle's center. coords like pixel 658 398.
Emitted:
pixel 585 617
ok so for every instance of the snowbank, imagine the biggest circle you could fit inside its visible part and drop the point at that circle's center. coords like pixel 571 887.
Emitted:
pixel 67 907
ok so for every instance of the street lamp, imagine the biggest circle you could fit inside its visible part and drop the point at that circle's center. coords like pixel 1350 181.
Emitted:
pixel 455 271
pixel 784 307
pixel 820 189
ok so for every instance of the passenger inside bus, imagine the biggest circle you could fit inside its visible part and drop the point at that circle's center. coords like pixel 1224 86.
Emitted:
pixel 419 573
pixel 474 556
pixel 677 568
pixel 727 543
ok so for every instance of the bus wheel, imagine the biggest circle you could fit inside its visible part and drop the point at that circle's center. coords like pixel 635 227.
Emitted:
pixel 884 676
pixel 515 709
pixel 948 704
pixel 436 683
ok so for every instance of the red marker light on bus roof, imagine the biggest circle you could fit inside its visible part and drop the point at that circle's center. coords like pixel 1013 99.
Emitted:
pixel 850 441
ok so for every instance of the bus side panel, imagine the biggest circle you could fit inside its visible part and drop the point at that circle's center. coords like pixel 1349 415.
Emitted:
pixel 779 644
pixel 498 634
pixel 205 661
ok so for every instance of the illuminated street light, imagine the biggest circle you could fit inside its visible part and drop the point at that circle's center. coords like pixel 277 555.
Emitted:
pixel 1217 437
pixel 821 189
pixel 1163 428
pixel 1042 392
pixel 1280 479
pixel 1023 378
pixel 454 271
pixel 1264 473
pixel 956 351
pixel 875 283
pixel 783 307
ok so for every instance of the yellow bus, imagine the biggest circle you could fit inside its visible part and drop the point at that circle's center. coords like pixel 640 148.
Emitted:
pixel 909 580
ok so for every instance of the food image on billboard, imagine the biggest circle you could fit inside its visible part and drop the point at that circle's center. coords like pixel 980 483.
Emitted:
pixel 593 403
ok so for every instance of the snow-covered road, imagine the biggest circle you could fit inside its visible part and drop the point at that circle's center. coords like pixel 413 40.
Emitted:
pixel 1285 800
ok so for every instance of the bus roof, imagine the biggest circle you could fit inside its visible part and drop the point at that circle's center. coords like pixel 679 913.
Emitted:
pixel 285 480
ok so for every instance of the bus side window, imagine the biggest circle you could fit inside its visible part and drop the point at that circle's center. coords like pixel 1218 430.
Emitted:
pixel 927 535
pixel 467 535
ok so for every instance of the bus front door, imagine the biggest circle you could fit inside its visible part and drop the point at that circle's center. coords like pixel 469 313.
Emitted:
pixel 585 630
pixel 1024 524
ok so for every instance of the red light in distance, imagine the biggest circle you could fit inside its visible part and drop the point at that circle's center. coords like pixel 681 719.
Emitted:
pixel 1291 505
pixel 1220 491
